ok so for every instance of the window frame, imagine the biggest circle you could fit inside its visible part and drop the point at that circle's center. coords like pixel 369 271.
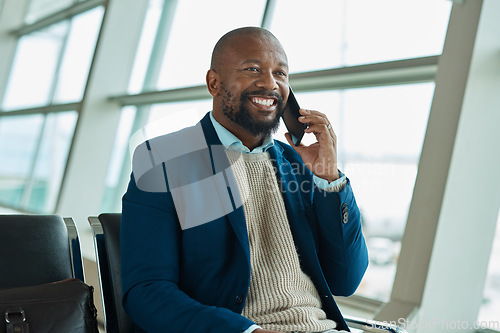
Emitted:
pixel 65 14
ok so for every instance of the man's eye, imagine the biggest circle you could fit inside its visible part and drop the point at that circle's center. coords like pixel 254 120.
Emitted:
pixel 252 69
pixel 281 73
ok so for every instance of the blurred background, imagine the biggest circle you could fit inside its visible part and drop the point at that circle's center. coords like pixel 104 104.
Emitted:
pixel 79 77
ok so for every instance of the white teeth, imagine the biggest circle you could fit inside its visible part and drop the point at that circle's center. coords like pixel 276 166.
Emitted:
pixel 265 102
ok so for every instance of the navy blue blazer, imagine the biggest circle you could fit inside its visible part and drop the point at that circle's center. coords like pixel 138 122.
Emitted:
pixel 180 279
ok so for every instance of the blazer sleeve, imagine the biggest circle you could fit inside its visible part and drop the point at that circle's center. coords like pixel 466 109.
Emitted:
pixel 150 258
pixel 342 250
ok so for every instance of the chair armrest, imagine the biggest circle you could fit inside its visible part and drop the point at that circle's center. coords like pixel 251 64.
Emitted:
pixel 74 249
pixel 369 325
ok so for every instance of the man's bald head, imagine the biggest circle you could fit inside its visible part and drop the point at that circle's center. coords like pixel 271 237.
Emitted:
pixel 226 41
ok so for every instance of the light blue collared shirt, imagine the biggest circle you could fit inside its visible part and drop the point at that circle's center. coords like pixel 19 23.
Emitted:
pixel 231 142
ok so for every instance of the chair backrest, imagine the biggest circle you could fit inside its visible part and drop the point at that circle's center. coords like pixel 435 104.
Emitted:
pixel 106 231
pixel 38 249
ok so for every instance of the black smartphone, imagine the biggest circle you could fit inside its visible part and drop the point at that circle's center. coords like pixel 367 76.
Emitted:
pixel 291 116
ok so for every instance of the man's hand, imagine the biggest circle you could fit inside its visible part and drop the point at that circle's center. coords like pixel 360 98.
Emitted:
pixel 321 156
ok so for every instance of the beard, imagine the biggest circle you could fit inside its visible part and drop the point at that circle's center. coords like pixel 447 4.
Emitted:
pixel 236 111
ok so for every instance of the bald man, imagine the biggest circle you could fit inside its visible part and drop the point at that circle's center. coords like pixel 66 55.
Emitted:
pixel 225 229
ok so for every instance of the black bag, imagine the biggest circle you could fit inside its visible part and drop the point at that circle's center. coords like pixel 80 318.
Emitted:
pixel 60 307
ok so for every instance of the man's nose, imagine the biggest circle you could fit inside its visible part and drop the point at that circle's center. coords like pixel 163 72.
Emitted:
pixel 267 81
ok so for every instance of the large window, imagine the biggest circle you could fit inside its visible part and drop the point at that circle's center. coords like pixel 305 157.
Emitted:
pixel 188 52
pixel 51 65
pixel 38 52
pixel 325 34
pixel 34 149
pixel 38 9
pixel 49 69
pixel 18 143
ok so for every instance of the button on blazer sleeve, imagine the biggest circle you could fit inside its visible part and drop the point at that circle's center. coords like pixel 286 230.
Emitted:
pixel 342 250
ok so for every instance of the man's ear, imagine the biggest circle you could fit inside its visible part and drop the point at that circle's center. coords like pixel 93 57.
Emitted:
pixel 213 82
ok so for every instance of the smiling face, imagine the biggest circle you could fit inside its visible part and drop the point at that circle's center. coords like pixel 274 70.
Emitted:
pixel 249 83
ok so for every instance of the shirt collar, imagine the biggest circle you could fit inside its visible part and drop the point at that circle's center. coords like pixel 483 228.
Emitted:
pixel 231 142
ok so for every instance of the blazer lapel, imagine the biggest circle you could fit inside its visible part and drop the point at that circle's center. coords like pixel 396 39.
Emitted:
pixel 220 164
pixel 299 225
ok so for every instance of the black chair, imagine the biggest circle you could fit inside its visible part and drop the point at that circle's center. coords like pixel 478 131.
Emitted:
pixel 38 249
pixel 106 230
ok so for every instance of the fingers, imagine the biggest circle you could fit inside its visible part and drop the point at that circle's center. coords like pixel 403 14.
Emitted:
pixel 318 129
pixel 312 117
pixel 317 122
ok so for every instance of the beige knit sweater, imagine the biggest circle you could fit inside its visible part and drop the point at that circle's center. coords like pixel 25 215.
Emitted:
pixel 281 296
